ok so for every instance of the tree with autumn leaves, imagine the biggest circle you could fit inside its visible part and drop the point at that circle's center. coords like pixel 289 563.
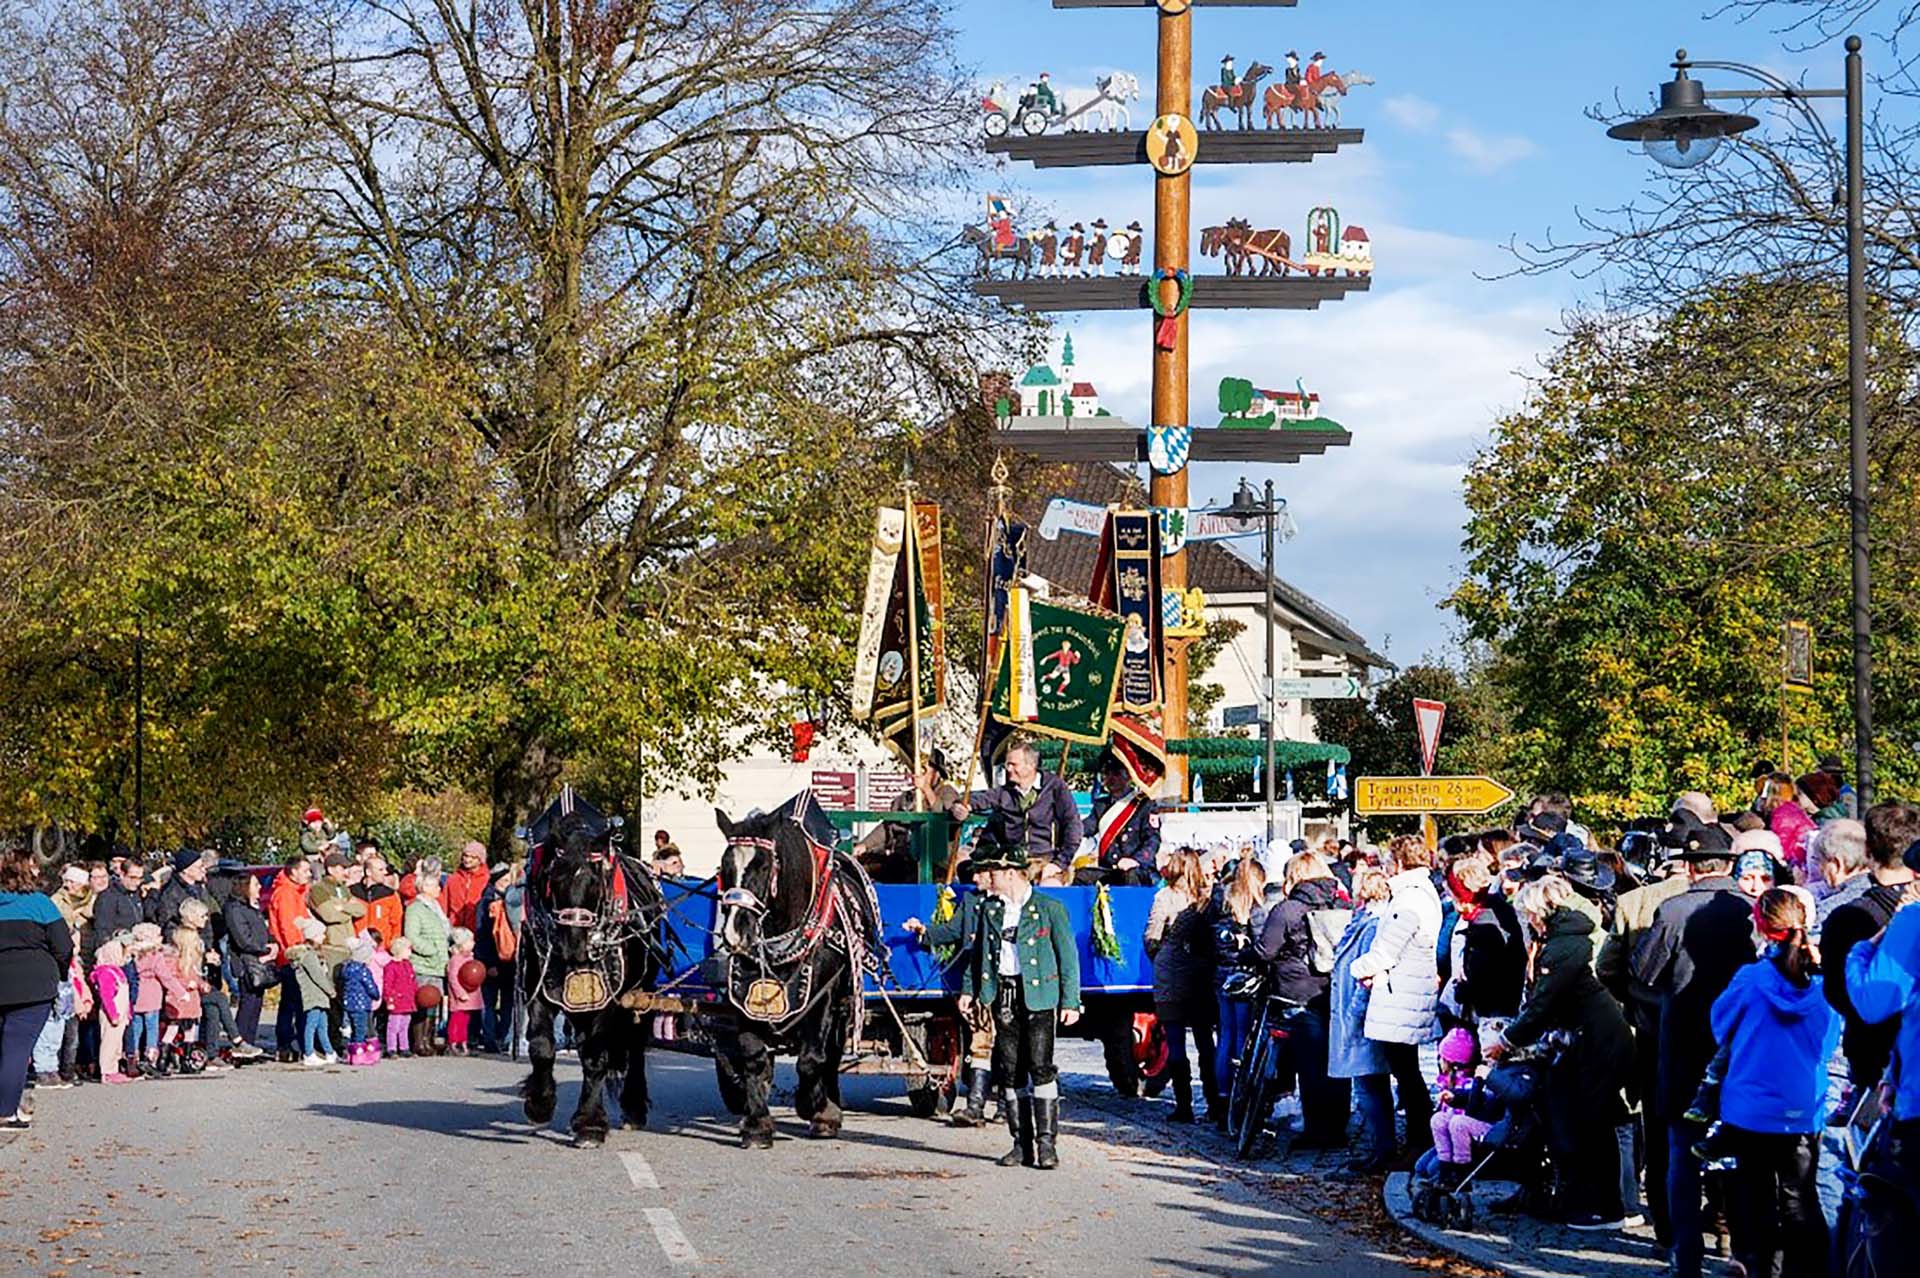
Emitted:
pixel 1670 495
pixel 448 395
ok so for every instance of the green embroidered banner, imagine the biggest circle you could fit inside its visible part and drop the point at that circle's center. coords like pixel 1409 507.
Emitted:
pixel 1076 662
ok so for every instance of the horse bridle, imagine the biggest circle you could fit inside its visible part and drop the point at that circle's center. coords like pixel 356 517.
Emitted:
pixel 799 941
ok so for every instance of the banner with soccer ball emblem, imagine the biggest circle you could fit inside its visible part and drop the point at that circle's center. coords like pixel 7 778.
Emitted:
pixel 1076 667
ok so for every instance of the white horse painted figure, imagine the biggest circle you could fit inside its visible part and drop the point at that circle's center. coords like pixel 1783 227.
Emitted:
pixel 1105 102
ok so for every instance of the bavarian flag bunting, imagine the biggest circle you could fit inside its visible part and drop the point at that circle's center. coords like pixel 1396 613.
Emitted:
pixel 1076 663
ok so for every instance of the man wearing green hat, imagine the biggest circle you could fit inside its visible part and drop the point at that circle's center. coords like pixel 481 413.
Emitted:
pixel 1025 965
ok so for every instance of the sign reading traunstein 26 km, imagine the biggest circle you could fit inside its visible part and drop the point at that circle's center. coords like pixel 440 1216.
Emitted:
pixel 1410 796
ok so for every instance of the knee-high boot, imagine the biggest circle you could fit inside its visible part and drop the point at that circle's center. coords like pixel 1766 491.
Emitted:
pixel 1020 1124
pixel 1046 1132
pixel 975 1113
pixel 1182 1093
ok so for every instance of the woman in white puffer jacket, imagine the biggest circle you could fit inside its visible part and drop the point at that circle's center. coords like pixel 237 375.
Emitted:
pixel 1401 969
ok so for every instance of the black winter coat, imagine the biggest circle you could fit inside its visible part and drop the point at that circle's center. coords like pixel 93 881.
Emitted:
pixel 1287 941
pixel 247 931
pixel 1493 960
pixel 1567 995
pixel 115 910
pixel 167 912
pixel 1698 940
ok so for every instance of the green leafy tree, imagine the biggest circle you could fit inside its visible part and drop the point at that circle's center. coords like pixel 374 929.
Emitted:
pixel 1236 395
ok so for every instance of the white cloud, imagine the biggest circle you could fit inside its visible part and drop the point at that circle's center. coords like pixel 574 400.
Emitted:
pixel 1489 152
pixel 1417 114
pixel 1417 374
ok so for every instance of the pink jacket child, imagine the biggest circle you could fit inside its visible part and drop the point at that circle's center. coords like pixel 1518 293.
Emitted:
pixel 1454 1128
pixel 115 1011
pixel 181 999
pixel 397 986
pixel 152 993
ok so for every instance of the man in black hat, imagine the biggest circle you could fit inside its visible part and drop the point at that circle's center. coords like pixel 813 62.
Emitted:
pixel 1698 940
pixel 1126 825
pixel 890 845
pixel 1227 77
pixel 189 880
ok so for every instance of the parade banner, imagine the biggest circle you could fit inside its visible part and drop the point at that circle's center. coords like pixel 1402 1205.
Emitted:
pixel 883 567
pixel 1126 580
pixel 911 680
pixel 1076 666
pixel 1006 560
pixel 933 603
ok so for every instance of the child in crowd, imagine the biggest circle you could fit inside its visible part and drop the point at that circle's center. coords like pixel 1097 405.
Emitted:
pixel 143 1039
pixel 1465 1112
pixel 316 992
pixel 180 981
pixel 359 994
pixel 377 964
pixel 396 992
pixel 462 1002
pixel 116 1009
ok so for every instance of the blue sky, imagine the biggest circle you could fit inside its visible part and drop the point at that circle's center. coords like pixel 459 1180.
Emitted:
pixel 1475 134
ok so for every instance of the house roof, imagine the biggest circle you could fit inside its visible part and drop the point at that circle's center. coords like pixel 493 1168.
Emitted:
pixel 1083 390
pixel 1040 375
pixel 1068 560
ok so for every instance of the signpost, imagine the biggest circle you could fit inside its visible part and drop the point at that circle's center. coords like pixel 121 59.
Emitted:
pixel 1240 717
pixel 1427 718
pixel 1420 796
pixel 1344 688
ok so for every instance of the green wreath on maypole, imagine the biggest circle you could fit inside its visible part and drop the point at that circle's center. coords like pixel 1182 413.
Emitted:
pixel 1164 331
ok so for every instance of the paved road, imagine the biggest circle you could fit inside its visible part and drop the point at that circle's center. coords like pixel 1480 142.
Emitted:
pixel 426 1167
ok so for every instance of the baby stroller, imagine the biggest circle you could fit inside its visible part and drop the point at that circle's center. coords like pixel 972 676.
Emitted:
pixel 1515 1148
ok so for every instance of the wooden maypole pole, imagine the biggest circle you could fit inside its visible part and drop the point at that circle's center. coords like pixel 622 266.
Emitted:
pixel 1171 203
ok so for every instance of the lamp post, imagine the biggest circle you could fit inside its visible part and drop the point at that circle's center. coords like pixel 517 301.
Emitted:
pixel 1244 507
pixel 1684 133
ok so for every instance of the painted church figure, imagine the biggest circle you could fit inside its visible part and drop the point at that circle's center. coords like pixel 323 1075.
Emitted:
pixel 1227 77
pixel 1316 69
pixel 1126 827
pixel 1293 68
pixel 1025 964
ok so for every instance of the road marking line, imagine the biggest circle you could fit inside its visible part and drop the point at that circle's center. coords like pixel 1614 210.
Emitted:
pixel 666 1232
pixel 639 1173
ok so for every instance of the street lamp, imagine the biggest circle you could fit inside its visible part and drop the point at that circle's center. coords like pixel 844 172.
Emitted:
pixel 1245 508
pixel 1684 133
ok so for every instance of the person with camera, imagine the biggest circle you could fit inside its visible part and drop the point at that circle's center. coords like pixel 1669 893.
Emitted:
pixel 1593 1056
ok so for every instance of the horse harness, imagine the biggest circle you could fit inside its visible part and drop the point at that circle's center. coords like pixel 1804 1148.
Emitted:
pixel 618 921
pixel 774 983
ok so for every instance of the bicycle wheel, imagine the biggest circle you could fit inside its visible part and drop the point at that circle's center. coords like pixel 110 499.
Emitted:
pixel 1259 1072
pixel 1239 1098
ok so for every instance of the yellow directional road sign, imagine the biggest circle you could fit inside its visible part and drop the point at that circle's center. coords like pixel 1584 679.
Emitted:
pixel 1408 796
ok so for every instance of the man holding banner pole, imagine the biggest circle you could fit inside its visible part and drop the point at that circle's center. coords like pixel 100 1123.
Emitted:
pixel 1033 814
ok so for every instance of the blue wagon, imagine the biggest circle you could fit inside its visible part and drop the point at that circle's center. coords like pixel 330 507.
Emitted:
pixel 913 1027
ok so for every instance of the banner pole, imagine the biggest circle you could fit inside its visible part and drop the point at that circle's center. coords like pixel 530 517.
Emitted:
pixel 913 640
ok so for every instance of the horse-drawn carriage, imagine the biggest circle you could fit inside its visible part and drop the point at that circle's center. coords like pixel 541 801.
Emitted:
pixel 908 1025
pixel 1041 107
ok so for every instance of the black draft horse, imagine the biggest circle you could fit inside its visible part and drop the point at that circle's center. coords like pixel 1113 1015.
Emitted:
pixel 797 928
pixel 592 934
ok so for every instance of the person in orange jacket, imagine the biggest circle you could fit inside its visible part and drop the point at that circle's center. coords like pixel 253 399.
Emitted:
pixel 286 911
pixel 460 895
pixel 385 910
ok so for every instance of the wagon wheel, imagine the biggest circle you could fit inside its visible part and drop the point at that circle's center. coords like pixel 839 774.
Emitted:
pixel 923 1090
pixel 995 124
pixel 1033 123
